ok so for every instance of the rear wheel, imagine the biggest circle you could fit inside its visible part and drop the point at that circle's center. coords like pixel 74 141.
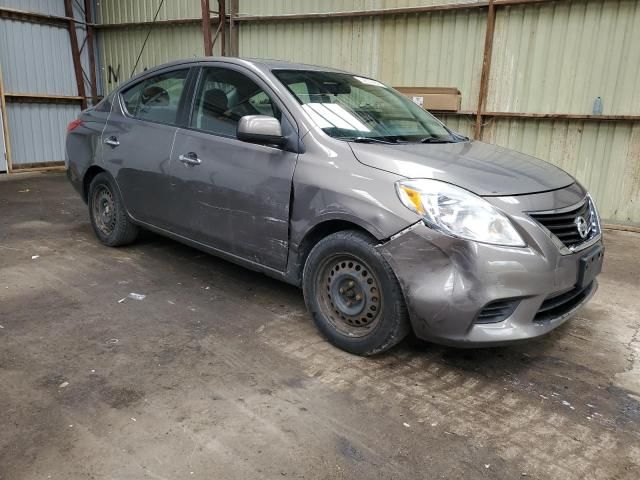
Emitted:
pixel 108 216
pixel 353 294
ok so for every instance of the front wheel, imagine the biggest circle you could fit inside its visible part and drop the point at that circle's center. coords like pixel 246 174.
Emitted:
pixel 109 218
pixel 353 295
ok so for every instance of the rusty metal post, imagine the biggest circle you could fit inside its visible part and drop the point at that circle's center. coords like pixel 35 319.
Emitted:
pixel 486 67
pixel 88 18
pixel 206 28
pixel 5 125
pixel 75 52
pixel 233 29
pixel 222 26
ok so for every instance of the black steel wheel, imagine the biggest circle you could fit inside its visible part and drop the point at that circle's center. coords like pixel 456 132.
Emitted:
pixel 104 209
pixel 349 294
pixel 353 294
pixel 109 218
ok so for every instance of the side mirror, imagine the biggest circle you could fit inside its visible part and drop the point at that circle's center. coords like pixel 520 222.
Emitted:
pixel 260 129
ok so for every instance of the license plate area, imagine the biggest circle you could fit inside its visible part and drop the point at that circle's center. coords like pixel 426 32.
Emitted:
pixel 590 266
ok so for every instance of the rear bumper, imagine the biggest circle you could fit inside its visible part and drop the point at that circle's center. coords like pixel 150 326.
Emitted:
pixel 447 282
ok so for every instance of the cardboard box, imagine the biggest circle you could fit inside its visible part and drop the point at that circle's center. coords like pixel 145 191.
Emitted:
pixel 433 98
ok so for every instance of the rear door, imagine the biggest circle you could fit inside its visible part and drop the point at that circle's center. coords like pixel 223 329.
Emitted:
pixel 138 139
pixel 232 195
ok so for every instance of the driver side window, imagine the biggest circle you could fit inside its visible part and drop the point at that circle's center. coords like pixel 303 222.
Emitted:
pixel 223 97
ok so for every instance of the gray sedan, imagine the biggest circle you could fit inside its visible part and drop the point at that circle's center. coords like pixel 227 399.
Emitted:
pixel 335 182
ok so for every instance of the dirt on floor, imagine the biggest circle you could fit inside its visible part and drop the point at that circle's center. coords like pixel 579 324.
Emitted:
pixel 218 372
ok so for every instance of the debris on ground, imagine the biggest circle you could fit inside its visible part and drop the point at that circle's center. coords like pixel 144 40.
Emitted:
pixel 136 296
pixel 33 257
pixel 64 384
pixel 406 424
pixel 113 341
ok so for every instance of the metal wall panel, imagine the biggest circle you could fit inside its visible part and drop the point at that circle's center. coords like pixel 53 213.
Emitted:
pixel 438 49
pixel 350 43
pixel 442 49
pixel 125 11
pixel 36 58
pixel 50 7
pixel 558 57
pixel 120 49
pixel 37 131
pixel 603 156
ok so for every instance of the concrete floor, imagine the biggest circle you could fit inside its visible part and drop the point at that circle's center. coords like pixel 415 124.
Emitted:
pixel 219 373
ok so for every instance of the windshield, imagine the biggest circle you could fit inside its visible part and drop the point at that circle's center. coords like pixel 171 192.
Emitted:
pixel 356 108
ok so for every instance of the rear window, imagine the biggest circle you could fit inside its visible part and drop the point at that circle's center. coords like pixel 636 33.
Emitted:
pixel 157 98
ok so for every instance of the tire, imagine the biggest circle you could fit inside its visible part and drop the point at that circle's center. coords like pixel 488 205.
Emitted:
pixel 353 295
pixel 108 216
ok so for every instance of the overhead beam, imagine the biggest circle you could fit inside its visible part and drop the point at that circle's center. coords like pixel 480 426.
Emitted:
pixel 178 21
pixel 544 116
pixel 75 52
pixel 42 98
pixel 36 17
pixel 388 11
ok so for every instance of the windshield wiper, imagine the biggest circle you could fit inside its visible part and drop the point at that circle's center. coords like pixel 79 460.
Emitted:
pixel 435 140
pixel 368 140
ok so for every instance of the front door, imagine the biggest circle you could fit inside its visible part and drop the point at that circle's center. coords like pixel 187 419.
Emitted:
pixel 227 194
pixel 137 143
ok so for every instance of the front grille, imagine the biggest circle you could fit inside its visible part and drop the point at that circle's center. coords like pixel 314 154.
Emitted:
pixel 564 225
pixel 559 304
pixel 497 311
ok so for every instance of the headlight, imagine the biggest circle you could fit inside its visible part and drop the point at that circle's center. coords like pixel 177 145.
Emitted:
pixel 457 212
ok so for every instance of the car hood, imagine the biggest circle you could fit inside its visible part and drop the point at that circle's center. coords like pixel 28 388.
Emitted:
pixel 479 167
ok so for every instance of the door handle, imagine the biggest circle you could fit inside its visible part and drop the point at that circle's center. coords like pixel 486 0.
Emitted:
pixel 113 141
pixel 190 159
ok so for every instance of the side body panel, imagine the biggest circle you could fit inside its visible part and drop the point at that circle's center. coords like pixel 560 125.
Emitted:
pixel 84 144
pixel 236 199
pixel 140 164
pixel 330 184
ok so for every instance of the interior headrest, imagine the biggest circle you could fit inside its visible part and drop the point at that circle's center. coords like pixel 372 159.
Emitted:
pixel 156 96
pixel 215 101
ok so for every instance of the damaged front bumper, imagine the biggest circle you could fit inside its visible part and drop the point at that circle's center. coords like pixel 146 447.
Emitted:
pixel 448 283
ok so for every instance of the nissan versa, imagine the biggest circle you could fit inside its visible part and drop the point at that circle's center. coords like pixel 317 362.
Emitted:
pixel 334 182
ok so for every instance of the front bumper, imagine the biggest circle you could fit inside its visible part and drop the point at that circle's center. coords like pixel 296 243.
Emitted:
pixel 447 282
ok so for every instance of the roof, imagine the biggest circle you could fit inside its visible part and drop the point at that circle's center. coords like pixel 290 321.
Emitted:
pixel 258 63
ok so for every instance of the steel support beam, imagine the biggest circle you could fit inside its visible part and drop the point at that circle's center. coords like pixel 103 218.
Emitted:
pixel 88 16
pixel 486 67
pixel 206 28
pixel 233 29
pixel 75 52
pixel 5 124
pixel 222 20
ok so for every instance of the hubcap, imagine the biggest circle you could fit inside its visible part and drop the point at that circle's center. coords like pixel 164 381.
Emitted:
pixel 104 212
pixel 350 294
